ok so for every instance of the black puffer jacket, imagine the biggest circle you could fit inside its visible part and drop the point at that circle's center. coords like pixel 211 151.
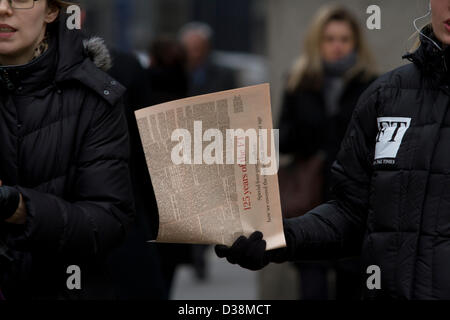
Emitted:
pixel 392 184
pixel 64 144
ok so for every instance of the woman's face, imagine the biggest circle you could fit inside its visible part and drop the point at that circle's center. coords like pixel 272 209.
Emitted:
pixel 440 20
pixel 337 41
pixel 21 30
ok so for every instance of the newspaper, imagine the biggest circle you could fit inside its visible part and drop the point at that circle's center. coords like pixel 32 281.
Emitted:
pixel 208 186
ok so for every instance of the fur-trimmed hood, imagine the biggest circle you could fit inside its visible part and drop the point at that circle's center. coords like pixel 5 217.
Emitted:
pixel 85 60
pixel 97 51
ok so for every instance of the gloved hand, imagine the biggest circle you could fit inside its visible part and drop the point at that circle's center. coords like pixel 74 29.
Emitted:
pixel 9 202
pixel 250 253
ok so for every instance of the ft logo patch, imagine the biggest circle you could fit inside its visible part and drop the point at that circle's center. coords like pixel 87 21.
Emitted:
pixel 390 135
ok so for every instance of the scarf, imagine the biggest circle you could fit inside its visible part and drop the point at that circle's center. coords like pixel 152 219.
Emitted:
pixel 333 84
pixel 40 48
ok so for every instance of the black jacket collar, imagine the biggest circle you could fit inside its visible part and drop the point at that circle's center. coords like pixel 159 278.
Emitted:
pixel 430 59
pixel 30 77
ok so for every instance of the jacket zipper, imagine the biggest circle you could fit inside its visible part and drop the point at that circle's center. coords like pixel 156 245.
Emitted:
pixel 7 79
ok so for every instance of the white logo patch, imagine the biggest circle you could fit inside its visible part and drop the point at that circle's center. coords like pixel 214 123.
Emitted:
pixel 390 134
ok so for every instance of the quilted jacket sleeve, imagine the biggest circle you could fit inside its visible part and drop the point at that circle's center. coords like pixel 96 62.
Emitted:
pixel 97 219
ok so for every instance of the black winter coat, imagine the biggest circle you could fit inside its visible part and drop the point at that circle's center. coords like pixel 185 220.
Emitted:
pixel 392 185
pixel 306 128
pixel 64 145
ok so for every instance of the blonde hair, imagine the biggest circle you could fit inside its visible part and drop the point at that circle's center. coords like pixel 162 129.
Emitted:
pixel 308 69
pixel 416 37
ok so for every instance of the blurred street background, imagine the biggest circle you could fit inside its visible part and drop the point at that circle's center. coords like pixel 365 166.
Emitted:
pixel 268 33
pixel 190 47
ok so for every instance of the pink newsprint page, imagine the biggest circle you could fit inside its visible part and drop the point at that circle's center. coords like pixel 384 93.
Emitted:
pixel 208 185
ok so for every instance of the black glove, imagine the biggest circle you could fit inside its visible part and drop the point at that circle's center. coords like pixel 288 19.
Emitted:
pixel 251 253
pixel 9 202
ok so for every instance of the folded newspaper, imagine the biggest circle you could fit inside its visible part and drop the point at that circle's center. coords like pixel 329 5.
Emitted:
pixel 213 163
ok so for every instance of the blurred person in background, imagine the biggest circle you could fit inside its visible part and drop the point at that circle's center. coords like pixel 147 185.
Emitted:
pixel 167 80
pixel 136 265
pixel 321 92
pixel 65 192
pixel 167 74
pixel 204 76
pixel 133 280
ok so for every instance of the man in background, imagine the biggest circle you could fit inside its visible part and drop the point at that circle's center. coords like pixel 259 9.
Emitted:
pixel 205 75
